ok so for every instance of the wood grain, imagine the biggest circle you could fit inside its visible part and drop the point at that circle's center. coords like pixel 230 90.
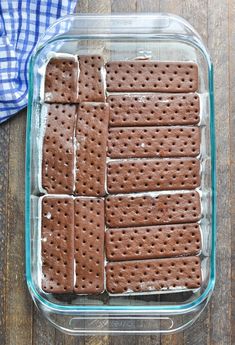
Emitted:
pixel 43 333
pixel 147 6
pixel 18 301
pixel 218 45
pixel 4 168
pixel 231 35
pixel 123 6
pixel 200 333
pixel 22 324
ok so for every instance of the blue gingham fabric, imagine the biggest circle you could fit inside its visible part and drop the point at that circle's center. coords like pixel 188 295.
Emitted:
pixel 21 24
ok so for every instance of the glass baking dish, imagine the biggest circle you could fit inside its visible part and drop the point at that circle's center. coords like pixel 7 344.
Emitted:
pixel 162 37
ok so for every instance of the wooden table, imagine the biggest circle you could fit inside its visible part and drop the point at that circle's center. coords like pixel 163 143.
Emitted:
pixel 20 322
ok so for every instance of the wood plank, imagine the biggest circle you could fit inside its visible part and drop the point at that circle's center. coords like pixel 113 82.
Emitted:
pixel 129 340
pixel 196 13
pixel 218 47
pixel 199 332
pixel 99 6
pixel 71 340
pixel 231 33
pixel 172 339
pixel 82 6
pixel 43 331
pixel 123 6
pixel 148 6
pixel 18 302
pixel 4 157
pixel 97 340
pixel 172 6
pixel 65 339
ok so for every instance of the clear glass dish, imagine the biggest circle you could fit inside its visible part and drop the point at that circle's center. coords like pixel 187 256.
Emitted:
pixel 162 37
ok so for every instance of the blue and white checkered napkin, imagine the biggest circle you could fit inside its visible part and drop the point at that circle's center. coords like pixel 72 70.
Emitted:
pixel 21 24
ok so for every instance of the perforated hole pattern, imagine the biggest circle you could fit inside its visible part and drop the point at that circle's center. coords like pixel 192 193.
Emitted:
pixel 57 244
pixel 125 211
pixel 91 83
pixel 89 245
pixel 152 142
pixel 61 81
pixel 91 139
pixel 151 76
pixel 154 110
pixel 152 174
pixel 152 242
pixel 150 275
pixel 58 149
pixel 123 177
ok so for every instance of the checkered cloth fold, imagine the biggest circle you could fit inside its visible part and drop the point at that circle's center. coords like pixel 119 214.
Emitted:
pixel 21 24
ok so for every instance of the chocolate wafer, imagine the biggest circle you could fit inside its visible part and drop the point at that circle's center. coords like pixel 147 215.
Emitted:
pixel 152 242
pixel 134 142
pixel 61 80
pixel 135 210
pixel 91 80
pixel 91 138
pixel 150 76
pixel 150 275
pixel 154 110
pixel 58 149
pixel 126 176
pixel 89 245
pixel 57 251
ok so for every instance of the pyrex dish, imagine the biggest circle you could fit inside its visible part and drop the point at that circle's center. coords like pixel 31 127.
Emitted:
pixel 162 37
